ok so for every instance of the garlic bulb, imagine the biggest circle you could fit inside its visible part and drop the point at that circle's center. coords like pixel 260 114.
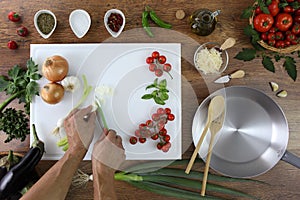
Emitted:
pixel 70 83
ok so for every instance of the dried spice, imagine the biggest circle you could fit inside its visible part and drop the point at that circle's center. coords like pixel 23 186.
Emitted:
pixel 115 21
pixel 45 23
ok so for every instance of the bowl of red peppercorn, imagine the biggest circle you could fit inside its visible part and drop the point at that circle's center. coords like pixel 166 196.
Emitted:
pixel 114 21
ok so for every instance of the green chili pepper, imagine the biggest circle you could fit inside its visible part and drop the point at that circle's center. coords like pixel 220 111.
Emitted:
pixel 145 23
pixel 158 21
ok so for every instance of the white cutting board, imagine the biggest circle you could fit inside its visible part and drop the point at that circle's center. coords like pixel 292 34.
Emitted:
pixel 97 62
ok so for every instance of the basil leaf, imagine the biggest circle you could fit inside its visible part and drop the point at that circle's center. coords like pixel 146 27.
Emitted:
pixel 268 64
pixel 248 12
pixel 147 96
pixel 164 96
pixel 246 54
pixel 158 100
pixel 150 86
pixel 263 6
pixel 163 84
pixel 290 67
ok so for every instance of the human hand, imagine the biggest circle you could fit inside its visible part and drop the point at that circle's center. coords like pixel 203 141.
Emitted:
pixel 79 131
pixel 108 153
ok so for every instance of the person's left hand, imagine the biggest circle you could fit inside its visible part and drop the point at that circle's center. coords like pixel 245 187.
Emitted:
pixel 79 131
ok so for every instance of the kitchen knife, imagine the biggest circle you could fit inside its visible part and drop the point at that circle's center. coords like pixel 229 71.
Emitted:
pixel 226 78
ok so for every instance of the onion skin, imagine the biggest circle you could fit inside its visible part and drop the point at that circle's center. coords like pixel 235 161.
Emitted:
pixel 55 68
pixel 52 93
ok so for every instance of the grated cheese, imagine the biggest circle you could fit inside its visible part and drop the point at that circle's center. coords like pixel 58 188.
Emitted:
pixel 209 61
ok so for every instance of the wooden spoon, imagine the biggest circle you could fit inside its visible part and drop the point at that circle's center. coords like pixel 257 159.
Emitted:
pixel 215 108
pixel 227 44
pixel 215 127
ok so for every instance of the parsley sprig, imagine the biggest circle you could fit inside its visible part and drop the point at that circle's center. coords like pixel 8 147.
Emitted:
pixel 19 84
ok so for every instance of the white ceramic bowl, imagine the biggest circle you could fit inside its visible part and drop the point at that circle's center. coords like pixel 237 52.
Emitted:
pixel 209 45
pixel 37 14
pixel 80 22
pixel 107 14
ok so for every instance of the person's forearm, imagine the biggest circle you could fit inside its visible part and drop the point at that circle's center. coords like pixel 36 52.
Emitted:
pixel 56 182
pixel 103 179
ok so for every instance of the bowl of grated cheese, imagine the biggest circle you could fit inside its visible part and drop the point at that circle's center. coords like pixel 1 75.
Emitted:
pixel 210 59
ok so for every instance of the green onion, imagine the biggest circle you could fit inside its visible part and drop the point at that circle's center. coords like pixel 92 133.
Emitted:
pixel 86 91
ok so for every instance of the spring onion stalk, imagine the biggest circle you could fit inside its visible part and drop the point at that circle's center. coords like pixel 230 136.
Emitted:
pixel 100 111
pixel 175 182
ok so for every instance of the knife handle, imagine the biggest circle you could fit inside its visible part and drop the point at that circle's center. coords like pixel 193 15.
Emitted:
pixel 238 74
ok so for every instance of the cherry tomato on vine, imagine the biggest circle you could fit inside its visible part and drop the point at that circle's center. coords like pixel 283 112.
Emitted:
pixel 297 18
pixel 159 145
pixel 297 12
pixel 257 10
pixel 154 137
pixel 273 8
pixel 162 59
pixel 291 37
pixel 163 132
pixel 149 60
pixel 158 72
pixel 167 67
pixel 171 117
pixel 263 22
pixel 168 110
pixel 287 43
pixel 152 67
pixel 273 30
pixel 155 54
pixel 284 21
pixel 167 138
pixel 142 140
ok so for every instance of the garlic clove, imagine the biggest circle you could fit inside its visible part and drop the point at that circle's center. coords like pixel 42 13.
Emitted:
pixel 282 93
pixel 71 83
pixel 274 86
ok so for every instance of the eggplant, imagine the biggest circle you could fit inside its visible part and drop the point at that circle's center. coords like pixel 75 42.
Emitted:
pixel 3 171
pixel 20 175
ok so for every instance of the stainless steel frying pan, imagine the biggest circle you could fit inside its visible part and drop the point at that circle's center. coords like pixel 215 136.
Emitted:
pixel 254 136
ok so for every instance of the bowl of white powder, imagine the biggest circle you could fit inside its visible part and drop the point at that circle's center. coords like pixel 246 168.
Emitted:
pixel 210 59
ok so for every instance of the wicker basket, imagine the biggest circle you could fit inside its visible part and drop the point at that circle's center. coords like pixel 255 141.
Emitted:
pixel 289 49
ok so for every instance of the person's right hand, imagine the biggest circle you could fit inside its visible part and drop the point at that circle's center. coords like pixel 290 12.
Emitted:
pixel 108 153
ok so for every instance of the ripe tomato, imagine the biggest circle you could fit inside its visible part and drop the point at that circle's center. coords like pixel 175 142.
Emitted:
pixel 167 138
pixel 263 22
pixel 273 8
pixel 152 67
pixel 13 16
pixel 167 67
pixel 287 43
pixel 297 18
pixel 159 145
pixel 284 21
pixel 291 37
pixel 162 59
pixel 22 31
pixel 142 140
pixel 280 44
pixel 163 132
pixel 296 29
pixel 264 36
pixel 12 44
pixel 288 9
pixel 149 60
pixel 158 72
pixel 171 117
pixel 155 54
pixel 257 10
pixel 279 35
pixel 297 12
pixel 273 30
pixel 168 110
pixel 271 36
pixel 133 140
pixel 271 42
pixel 154 137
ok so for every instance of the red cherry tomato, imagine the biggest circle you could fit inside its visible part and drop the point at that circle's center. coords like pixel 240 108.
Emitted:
pixel 280 44
pixel 271 42
pixel 155 54
pixel 162 59
pixel 288 9
pixel 263 22
pixel 167 138
pixel 133 140
pixel 13 16
pixel 296 29
pixel 12 44
pixel 279 35
pixel 149 60
pixel 291 37
pixel 154 137
pixel 158 72
pixel 152 67
pixel 167 67
pixel 273 30
pixel 257 10
pixel 142 140
pixel 264 36
pixel 287 43
pixel 273 8
pixel 297 18
pixel 163 132
pixel 22 31
pixel 171 117
pixel 284 21
pixel 297 12
pixel 271 36
pixel 168 110
pixel 159 145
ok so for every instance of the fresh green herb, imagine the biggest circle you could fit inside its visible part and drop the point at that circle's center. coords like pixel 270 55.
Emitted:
pixel 246 54
pixel 290 67
pixel 160 94
pixel 248 12
pixel 19 84
pixel 268 64
pixel 263 6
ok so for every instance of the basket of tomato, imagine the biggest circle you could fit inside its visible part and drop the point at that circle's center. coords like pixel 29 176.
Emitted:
pixel 277 23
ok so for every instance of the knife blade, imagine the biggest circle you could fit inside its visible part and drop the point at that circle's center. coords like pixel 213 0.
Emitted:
pixel 226 78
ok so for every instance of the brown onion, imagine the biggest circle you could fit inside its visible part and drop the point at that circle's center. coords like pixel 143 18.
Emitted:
pixel 55 68
pixel 52 93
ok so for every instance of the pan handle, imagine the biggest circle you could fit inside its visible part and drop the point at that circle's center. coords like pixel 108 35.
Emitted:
pixel 291 158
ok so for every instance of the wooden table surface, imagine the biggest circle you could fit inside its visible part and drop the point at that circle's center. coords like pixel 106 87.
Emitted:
pixel 283 179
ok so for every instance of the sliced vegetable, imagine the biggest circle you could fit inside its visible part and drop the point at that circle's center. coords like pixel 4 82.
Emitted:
pixel 282 93
pixel 274 86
